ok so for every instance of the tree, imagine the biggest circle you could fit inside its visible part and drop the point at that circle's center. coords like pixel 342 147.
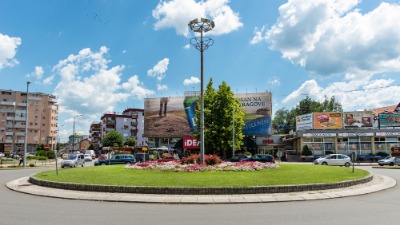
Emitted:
pixel 221 111
pixel 285 118
pixel 131 141
pixel 113 138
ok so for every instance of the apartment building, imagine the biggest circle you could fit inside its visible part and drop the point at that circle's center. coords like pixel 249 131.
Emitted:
pixel 42 120
pixel 130 124
pixel 95 135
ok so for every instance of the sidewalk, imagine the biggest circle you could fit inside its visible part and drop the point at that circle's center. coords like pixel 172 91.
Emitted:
pixel 378 183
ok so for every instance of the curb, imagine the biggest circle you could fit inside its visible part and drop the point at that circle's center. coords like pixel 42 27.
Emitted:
pixel 197 191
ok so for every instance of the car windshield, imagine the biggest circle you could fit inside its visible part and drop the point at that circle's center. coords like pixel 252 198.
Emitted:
pixel 72 156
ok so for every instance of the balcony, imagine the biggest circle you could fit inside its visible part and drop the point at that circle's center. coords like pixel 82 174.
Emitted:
pixel 21 104
pixel 134 115
pixel 9 110
pixel 110 122
pixel 20 133
pixel 19 118
pixel 19 126
pixel 20 141
pixel 134 123
pixel 9 133
pixel 7 103
pixel 35 98
pixel 8 141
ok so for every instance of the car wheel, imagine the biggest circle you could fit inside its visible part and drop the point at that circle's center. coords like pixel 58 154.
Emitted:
pixel 391 164
pixel 62 166
pixel 324 163
pixel 381 164
pixel 347 164
pixel 83 164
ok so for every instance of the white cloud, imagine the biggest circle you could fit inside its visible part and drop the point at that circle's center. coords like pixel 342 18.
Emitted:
pixel 136 87
pixel 353 95
pixel 87 85
pixel 177 14
pixel 159 69
pixel 38 73
pixel 274 81
pixel 162 87
pixel 332 37
pixel 258 35
pixel 186 46
pixel 8 50
pixel 191 80
pixel 48 80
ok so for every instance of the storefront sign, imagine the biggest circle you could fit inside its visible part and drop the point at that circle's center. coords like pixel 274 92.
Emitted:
pixel 319 135
pixel 384 134
pixel 328 120
pixel 304 122
pixel 190 143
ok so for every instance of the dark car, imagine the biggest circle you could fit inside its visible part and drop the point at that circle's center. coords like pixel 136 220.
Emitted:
pixel 238 158
pixel 117 159
pixel 262 158
pixel 142 157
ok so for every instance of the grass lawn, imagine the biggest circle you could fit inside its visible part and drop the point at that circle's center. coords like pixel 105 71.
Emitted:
pixel 287 174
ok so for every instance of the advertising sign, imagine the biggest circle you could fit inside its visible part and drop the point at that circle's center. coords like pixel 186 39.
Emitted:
pixel 358 119
pixel 304 122
pixel 328 120
pixel 389 120
pixel 171 117
pixel 190 143
pixel 258 108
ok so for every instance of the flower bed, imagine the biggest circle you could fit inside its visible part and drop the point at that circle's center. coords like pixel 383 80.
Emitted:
pixel 176 166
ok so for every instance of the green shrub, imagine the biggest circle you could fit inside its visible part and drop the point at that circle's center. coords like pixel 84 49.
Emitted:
pixel 41 158
pixel 30 157
pixel 306 151
pixel 247 153
pixel 382 154
pixel 31 165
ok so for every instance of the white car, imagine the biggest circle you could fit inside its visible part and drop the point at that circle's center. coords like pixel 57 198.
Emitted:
pixel 334 160
pixel 88 157
pixel 73 160
pixel 391 161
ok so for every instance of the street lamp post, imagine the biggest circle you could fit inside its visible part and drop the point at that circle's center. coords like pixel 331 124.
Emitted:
pixel 201 44
pixel 26 123
pixel 73 133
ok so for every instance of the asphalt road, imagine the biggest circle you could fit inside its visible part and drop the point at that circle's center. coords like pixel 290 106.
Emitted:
pixel 377 208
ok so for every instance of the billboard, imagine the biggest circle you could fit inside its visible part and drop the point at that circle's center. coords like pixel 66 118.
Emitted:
pixel 304 122
pixel 171 117
pixel 328 120
pixel 389 120
pixel 358 119
pixel 257 118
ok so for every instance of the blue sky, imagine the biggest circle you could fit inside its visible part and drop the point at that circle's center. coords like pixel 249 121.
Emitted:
pixel 105 56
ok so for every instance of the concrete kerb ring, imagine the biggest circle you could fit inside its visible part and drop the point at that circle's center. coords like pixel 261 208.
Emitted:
pixel 198 191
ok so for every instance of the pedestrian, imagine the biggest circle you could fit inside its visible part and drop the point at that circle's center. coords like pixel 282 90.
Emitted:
pixel 21 160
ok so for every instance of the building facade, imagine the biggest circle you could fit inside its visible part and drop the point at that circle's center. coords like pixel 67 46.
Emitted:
pixel 129 124
pixel 42 121
pixel 95 135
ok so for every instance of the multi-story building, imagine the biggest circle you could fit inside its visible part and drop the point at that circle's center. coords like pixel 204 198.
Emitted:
pixel 130 124
pixel 95 135
pixel 41 122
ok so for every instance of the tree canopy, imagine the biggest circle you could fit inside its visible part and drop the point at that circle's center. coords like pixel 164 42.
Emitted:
pixel 285 120
pixel 113 138
pixel 223 120
pixel 130 141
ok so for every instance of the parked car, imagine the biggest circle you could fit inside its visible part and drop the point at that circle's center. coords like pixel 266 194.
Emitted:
pixel 116 159
pixel 142 157
pixel 1 155
pixel 73 160
pixel 87 157
pixel 261 158
pixel 238 158
pixel 334 160
pixel 390 161
pixel 91 153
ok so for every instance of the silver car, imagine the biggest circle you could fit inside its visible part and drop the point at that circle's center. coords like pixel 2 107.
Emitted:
pixel 390 161
pixel 334 160
pixel 73 160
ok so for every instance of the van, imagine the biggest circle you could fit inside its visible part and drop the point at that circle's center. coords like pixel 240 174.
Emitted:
pixel 91 153
pixel 73 160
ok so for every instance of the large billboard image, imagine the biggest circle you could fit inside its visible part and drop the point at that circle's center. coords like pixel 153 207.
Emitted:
pixel 175 116
pixel 358 119
pixel 304 122
pixel 389 120
pixel 328 120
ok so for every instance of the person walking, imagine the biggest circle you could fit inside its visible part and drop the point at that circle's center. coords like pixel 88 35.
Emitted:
pixel 21 160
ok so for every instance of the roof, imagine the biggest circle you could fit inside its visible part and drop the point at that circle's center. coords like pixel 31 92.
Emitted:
pixel 385 109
